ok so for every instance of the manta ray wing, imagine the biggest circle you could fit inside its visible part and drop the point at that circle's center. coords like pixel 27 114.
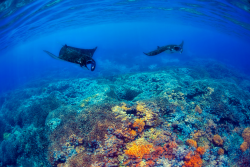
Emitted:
pixel 52 55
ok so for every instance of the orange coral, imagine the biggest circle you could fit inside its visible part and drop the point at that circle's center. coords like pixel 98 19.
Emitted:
pixel 244 146
pixel 195 161
pixel 198 109
pixel 139 123
pixel 201 150
pixel 139 150
pixel 221 151
pixel 132 132
pixel 191 142
pixel 217 140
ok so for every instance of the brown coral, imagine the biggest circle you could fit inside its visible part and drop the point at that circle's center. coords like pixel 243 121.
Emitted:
pixel 221 151
pixel 217 140
pixel 244 146
pixel 246 135
pixel 198 109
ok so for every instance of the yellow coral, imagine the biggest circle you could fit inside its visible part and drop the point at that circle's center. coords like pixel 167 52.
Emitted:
pixel 124 107
pixel 147 114
pixel 119 112
pixel 84 102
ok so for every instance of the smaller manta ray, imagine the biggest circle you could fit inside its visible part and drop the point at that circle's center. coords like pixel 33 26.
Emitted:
pixel 167 48
pixel 83 57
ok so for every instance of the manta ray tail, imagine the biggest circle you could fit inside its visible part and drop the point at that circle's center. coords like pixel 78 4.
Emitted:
pixel 52 55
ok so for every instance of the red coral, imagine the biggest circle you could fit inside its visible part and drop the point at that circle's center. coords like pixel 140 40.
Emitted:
pixel 150 163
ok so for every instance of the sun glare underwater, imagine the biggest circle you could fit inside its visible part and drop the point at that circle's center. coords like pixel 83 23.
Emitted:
pixel 124 83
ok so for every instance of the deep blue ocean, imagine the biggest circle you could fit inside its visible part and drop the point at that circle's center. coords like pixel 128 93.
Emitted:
pixel 216 36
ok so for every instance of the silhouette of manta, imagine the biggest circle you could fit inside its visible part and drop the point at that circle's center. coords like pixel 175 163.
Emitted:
pixel 167 48
pixel 83 57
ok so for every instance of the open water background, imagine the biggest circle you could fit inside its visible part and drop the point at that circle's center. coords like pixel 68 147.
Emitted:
pixel 122 30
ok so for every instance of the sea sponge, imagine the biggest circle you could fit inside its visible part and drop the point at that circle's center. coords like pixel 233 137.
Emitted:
pixel 192 143
pixel 217 140
pixel 221 151
pixel 244 146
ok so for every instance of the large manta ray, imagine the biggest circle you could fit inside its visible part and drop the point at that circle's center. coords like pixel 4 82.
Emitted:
pixel 167 48
pixel 83 57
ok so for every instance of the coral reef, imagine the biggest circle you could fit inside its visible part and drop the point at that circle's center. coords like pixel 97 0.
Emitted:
pixel 178 116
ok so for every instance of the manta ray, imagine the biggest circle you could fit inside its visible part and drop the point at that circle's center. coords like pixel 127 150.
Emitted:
pixel 83 57
pixel 167 48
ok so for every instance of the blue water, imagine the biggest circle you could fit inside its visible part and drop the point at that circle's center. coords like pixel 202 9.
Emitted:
pixel 122 30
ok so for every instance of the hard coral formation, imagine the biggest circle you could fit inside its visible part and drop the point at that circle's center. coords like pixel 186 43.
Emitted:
pixel 217 140
pixel 221 151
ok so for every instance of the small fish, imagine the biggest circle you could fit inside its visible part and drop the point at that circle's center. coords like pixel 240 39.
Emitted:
pixel 83 57
pixel 167 48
